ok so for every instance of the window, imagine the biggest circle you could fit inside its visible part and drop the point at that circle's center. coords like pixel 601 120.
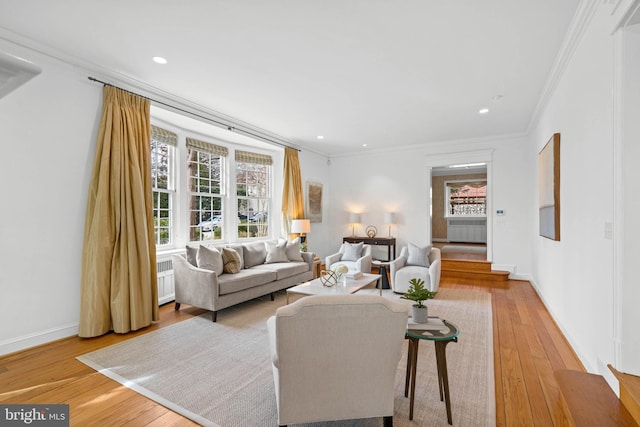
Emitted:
pixel 466 198
pixel 163 183
pixel 253 190
pixel 201 194
pixel 205 181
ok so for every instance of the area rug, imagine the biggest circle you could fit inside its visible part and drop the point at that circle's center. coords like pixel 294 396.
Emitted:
pixel 219 374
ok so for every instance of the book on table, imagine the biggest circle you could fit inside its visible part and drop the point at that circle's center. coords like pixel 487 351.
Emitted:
pixel 433 324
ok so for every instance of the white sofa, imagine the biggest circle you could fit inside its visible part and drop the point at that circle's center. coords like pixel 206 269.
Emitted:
pixel 215 290
pixel 402 271
pixel 355 256
pixel 335 357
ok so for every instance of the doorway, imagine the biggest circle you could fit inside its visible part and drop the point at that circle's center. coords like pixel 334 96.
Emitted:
pixel 459 211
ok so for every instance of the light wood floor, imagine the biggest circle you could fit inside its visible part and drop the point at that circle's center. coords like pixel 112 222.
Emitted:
pixel 528 347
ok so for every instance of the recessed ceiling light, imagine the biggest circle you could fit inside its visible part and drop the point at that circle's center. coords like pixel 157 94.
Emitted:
pixel 364 145
pixel 483 111
pixel 319 137
pixel 159 60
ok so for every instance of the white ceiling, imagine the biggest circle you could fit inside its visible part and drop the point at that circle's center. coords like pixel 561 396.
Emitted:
pixel 379 72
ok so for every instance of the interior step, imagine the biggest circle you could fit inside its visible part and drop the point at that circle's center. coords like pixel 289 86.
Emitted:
pixel 629 392
pixel 470 269
pixel 588 400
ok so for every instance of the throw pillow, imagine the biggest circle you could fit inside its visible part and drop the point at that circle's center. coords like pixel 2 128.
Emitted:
pixel 210 259
pixel 192 253
pixel 293 250
pixel 239 251
pixel 231 261
pixel 418 256
pixel 254 254
pixel 351 251
pixel 276 252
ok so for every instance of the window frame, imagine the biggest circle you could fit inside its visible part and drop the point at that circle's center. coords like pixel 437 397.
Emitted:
pixel 190 194
pixel 181 199
pixel 170 191
pixel 447 198
pixel 263 227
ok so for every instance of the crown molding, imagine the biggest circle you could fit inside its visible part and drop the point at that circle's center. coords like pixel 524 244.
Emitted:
pixel 14 72
pixel 440 146
pixel 580 22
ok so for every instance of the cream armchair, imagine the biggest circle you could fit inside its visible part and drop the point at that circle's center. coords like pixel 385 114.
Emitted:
pixel 356 256
pixel 403 268
pixel 335 357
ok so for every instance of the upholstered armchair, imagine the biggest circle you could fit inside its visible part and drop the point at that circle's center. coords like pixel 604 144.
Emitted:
pixel 414 262
pixel 356 256
pixel 335 357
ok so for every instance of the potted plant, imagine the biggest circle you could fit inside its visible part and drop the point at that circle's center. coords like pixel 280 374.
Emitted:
pixel 418 293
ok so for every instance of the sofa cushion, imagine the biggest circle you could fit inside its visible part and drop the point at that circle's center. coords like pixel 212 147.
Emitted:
pixel 284 269
pixel 254 254
pixel 351 251
pixel 293 250
pixel 244 279
pixel 239 251
pixel 231 260
pixel 276 252
pixel 418 256
pixel 210 259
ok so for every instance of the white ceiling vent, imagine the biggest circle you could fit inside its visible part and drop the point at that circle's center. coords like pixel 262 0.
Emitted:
pixel 14 72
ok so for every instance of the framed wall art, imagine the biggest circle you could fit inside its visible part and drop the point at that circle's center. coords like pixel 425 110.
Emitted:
pixel 549 188
pixel 314 201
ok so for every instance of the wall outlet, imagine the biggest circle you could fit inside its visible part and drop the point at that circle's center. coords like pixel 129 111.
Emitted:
pixel 608 230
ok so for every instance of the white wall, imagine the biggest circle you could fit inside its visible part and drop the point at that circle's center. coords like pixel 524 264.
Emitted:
pixel 628 186
pixel 48 129
pixel 574 276
pixel 399 181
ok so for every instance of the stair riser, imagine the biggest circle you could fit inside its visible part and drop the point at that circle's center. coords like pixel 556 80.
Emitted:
pixel 489 276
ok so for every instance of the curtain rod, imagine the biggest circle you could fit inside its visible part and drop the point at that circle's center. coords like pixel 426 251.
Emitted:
pixel 228 126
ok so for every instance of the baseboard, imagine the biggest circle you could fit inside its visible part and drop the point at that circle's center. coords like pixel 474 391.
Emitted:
pixel 166 299
pixel 587 366
pixel 32 340
pixel 515 276
pixel 504 267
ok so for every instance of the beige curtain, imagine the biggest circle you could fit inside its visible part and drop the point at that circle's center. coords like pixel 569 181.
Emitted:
pixel 119 289
pixel 292 196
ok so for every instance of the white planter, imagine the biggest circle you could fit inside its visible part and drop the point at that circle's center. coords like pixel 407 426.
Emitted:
pixel 419 314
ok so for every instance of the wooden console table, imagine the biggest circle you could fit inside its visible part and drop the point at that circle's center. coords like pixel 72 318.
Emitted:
pixel 389 242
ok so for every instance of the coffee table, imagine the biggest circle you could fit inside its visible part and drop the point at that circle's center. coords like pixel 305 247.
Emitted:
pixel 350 286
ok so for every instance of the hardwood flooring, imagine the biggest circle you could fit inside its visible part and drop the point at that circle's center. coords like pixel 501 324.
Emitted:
pixel 528 348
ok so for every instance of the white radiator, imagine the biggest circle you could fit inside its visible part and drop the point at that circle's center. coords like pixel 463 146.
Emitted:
pixel 166 290
pixel 467 230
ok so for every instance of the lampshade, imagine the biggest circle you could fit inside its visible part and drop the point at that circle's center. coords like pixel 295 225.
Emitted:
pixel 300 226
pixel 389 218
pixel 354 218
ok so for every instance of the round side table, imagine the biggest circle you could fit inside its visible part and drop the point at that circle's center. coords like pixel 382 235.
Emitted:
pixel 441 339
pixel 382 266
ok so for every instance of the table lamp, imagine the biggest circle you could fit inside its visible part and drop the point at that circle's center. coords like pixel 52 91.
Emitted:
pixel 354 218
pixel 301 227
pixel 389 218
